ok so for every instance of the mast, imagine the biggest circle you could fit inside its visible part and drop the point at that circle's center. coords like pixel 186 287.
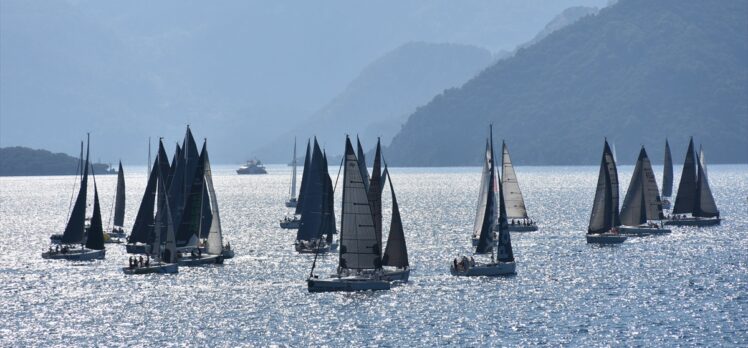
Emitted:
pixel 119 205
pixel 605 208
pixel 512 193
pixel 304 178
pixel 76 224
pixel 667 175
pixel 293 176
pixel 685 200
pixel 359 248
pixel 396 252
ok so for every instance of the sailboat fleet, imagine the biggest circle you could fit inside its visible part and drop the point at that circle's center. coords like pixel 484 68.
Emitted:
pixel 178 221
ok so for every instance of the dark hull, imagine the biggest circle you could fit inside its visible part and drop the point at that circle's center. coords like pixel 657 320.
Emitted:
pixel 694 222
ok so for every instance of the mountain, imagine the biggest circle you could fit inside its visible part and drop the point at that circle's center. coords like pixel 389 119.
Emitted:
pixel 568 16
pixel 636 72
pixel 23 161
pixel 378 101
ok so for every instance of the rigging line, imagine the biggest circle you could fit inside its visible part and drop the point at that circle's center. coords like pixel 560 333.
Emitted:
pixel 338 177
pixel 75 182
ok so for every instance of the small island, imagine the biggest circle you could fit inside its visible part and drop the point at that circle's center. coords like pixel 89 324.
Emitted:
pixel 24 161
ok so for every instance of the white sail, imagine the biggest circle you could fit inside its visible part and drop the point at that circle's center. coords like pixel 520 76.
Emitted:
pixel 515 204
pixel 215 235
pixel 482 194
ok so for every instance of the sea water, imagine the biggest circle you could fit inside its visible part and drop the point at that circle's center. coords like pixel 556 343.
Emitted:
pixel 686 288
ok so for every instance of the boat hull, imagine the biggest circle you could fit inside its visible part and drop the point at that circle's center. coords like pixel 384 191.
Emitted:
pixel 165 268
pixel 200 260
pixel 76 255
pixel 348 284
pixel 311 248
pixel 486 270
pixel 135 248
pixel 291 203
pixel 605 238
pixel 693 222
pixel 398 275
pixel 227 254
pixel 639 231
pixel 521 228
pixel 290 225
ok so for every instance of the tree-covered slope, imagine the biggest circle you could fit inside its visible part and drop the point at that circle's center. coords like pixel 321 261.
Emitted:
pixel 23 161
pixel 637 72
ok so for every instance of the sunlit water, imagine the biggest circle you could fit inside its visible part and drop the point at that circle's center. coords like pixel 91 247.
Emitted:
pixel 690 287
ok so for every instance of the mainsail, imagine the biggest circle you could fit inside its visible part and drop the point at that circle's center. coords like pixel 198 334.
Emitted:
pixel 685 200
pixel 504 252
pixel 396 252
pixel 605 208
pixel 142 229
pixel 667 175
pixel 119 200
pixel 480 211
pixel 327 228
pixel 515 204
pixel 642 201
pixel 95 239
pixel 374 193
pixel 490 208
pixel 304 179
pixel 359 248
pixel 311 213
pixel 705 205
pixel 215 234
pixel 77 223
pixel 362 164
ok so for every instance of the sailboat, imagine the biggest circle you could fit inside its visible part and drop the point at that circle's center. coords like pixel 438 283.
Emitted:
pixel 214 241
pixel 359 263
pixel 515 203
pixel 491 204
pixel 694 195
pixel 142 229
pixel 396 253
pixel 291 202
pixel 642 204
pixel 118 231
pixel 667 177
pixel 56 238
pixel 162 252
pixel 93 248
pixel 317 217
pixel 604 221
pixel 293 221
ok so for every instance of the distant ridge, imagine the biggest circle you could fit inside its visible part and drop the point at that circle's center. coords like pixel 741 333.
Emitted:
pixel 23 161
pixel 636 72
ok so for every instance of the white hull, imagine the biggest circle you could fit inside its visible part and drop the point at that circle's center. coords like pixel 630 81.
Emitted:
pixel 605 238
pixel 642 230
pixel 347 284
pixel 691 221
pixel 485 270
pixel 76 255
pixel 164 268
pixel 204 259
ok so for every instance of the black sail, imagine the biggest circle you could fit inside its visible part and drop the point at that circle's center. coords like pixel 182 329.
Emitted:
pixel 95 239
pixel 359 248
pixel 375 192
pixel 642 201
pixel 605 208
pixel 396 252
pixel 685 200
pixel 119 200
pixel 327 227
pixel 311 212
pixel 143 226
pixel 77 223
pixel 486 236
pixel 705 205
pixel 504 252
pixel 194 205
pixel 304 178
pixel 667 175
pixel 362 164
pixel 652 199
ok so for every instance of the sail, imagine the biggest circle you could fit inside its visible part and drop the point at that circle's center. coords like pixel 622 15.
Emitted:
pixel 362 164
pixel 327 228
pixel 311 213
pixel 480 211
pixel 207 214
pixel 504 252
pixel 396 252
pixel 605 208
pixel 652 199
pixel 486 237
pixel 77 223
pixel 293 175
pixel 215 234
pixel 702 162
pixel 95 239
pixel 188 231
pixel 685 200
pixel 359 248
pixel 705 205
pixel 304 175
pixel 667 175
pixel 374 193
pixel 143 226
pixel 119 200
pixel 515 204
pixel 642 201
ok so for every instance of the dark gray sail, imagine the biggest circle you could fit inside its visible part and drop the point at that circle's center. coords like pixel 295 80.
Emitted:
pixel 705 205
pixel 304 179
pixel 667 175
pixel 328 206
pixel 396 252
pixel 191 219
pixel 77 223
pixel 486 237
pixel 685 200
pixel 119 200
pixel 311 212
pixel 143 226
pixel 362 164
pixel 642 201
pixel 374 192
pixel 359 248
pixel 605 208
pixel 504 252
pixel 207 214
pixel 95 239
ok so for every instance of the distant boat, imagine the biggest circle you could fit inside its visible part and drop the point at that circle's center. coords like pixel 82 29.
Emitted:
pixel 252 167
pixel 118 231
pixel 515 203
pixel 293 221
pixel 604 221
pixel 93 248
pixel 492 210
pixel 694 195
pixel 317 223
pixel 359 261
pixel 642 206
pixel 291 202
pixel 667 177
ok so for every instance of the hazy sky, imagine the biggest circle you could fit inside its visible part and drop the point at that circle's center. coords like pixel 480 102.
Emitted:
pixel 238 70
